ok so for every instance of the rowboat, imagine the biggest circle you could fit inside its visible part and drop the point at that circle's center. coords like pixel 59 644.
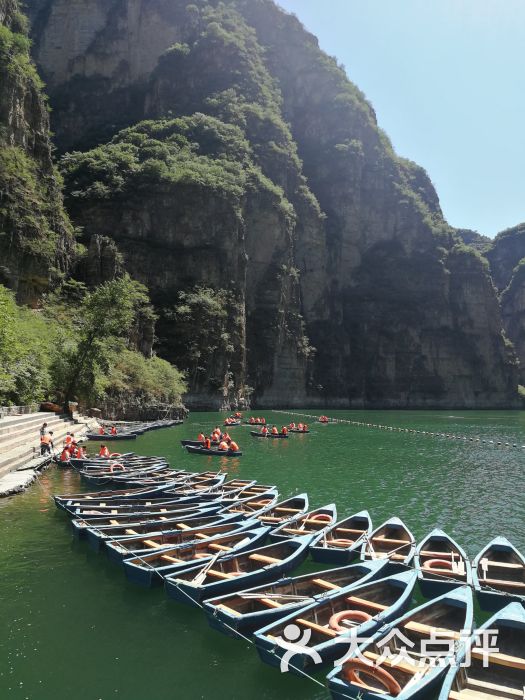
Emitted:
pixel 136 546
pixel 81 524
pixel 63 501
pixel 232 423
pixel 341 543
pixel 269 434
pixel 503 677
pixel 196 443
pixel 253 608
pixel 391 540
pixel 373 672
pixel 441 564
pixel 237 571
pixel 354 611
pixel 107 476
pixel 252 506
pixel 498 574
pixel 108 438
pixel 213 453
pixel 150 569
pixel 98 535
pixel 285 511
pixel 312 523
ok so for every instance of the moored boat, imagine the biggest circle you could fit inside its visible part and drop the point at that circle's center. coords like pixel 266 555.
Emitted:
pixel 498 574
pixel 269 434
pixel 237 571
pixel 341 543
pixel 391 540
pixel 312 523
pixel 149 569
pixel 441 564
pixel 502 677
pixel 354 611
pixel 213 453
pixel 285 511
pixel 431 636
pixel 253 608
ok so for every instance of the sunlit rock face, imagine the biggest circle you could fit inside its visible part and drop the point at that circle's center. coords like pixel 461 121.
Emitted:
pixel 261 173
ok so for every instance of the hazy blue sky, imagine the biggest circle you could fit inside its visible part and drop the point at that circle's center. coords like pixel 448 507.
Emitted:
pixel 447 81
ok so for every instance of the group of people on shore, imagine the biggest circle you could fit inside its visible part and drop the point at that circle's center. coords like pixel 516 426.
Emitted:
pixel 70 446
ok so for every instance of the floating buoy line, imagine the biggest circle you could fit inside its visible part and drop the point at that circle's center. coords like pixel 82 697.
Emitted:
pixel 395 429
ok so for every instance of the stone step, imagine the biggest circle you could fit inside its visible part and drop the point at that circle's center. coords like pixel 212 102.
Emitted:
pixel 31 434
pixel 11 424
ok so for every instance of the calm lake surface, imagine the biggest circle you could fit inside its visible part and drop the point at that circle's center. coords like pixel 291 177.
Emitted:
pixel 72 627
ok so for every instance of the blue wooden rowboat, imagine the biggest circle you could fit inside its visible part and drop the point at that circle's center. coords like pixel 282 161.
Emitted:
pixel 371 676
pixel 285 511
pixel 249 610
pixel 98 536
pixel 269 434
pixel 65 501
pixel 111 438
pixel 367 607
pixel 342 542
pixel 135 546
pixel 237 571
pixel 391 540
pixel 212 453
pixel 441 564
pixel 104 477
pixel 252 506
pixel 498 574
pixel 151 568
pixel 504 674
pixel 157 518
pixel 315 522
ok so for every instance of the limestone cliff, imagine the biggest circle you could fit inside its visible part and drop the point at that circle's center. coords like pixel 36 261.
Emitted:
pixel 506 256
pixel 241 173
pixel 35 233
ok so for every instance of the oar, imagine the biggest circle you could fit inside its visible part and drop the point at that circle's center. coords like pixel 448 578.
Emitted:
pixel 199 578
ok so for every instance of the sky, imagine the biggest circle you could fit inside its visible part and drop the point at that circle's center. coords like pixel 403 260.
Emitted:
pixel 447 81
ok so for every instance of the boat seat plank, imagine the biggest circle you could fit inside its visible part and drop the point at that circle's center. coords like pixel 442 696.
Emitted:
pixel 437 555
pixel 367 603
pixel 151 543
pixel 270 603
pixel 294 531
pixel 325 584
pixel 500 659
pixel 310 521
pixel 264 559
pixel 503 582
pixel 389 540
pixel 349 530
pixel 173 560
pixel 503 689
pixel 283 509
pixel 131 532
pixel 503 564
pixel 317 628
pixel 421 628
pixel 182 526
pixel 220 574
pixel 219 547
pixel 229 610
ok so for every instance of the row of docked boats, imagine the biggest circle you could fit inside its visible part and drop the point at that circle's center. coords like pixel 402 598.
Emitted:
pixel 130 431
pixel 231 547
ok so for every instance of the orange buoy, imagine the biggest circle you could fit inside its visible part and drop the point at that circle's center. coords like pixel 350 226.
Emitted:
pixel 350 615
pixel 355 668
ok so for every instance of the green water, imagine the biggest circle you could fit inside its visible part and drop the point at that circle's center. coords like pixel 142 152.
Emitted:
pixel 71 626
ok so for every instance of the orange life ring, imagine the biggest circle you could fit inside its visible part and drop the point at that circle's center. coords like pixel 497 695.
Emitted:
pixel 437 564
pixel 322 518
pixel 341 542
pixel 351 615
pixel 354 668
pixel 116 467
pixel 115 454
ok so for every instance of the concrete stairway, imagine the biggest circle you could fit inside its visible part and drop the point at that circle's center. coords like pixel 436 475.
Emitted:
pixel 20 437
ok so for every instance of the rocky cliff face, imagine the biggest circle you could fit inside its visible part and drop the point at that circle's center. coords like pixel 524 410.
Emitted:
pixel 261 200
pixel 35 233
pixel 506 256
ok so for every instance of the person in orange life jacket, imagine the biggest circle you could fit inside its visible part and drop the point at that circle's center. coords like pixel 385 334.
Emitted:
pixel 200 437
pixel 65 456
pixel 238 415
pixel 68 439
pixel 207 443
pixel 46 443
pixel 274 430
pixel 263 421
pixel 300 426
pixel 234 447
pixel 113 430
pixel 284 430
pixel 103 452
pixel 292 426
pixel 101 430
pixel 252 420
pixel 264 430
pixel 223 447
pixel 305 428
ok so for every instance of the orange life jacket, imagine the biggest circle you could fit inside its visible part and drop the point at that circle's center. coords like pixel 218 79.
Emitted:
pixel 200 437
pixel 64 457
pixel 284 431
pixel 101 431
pixel 104 452
pixel 264 431
pixel 68 440
pixel 45 439
pixel 275 431
pixel 223 446
pixel 234 447
pixel 207 443
pixel 113 431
